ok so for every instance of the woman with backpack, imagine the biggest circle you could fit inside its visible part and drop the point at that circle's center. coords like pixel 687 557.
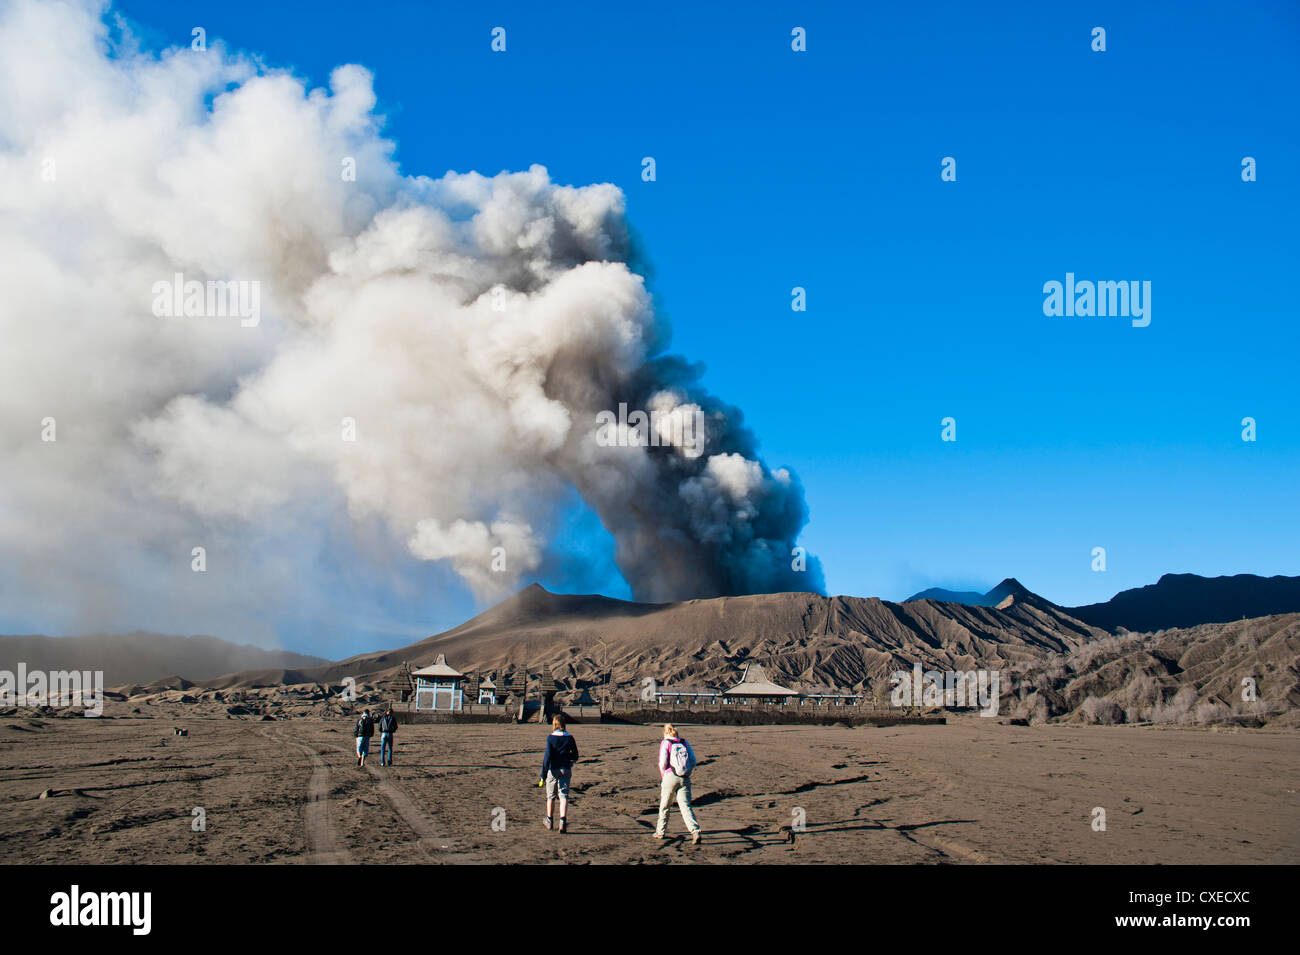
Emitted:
pixel 676 761
pixel 364 730
pixel 557 769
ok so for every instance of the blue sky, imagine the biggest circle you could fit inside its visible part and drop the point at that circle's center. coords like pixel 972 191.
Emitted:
pixel 821 169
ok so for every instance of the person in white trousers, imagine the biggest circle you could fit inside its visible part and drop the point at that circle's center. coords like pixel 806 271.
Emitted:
pixel 676 762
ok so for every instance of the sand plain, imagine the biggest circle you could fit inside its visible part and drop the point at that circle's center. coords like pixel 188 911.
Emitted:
pixel 124 790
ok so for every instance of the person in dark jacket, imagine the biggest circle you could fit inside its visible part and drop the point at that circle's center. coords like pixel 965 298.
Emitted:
pixel 387 727
pixel 363 731
pixel 557 769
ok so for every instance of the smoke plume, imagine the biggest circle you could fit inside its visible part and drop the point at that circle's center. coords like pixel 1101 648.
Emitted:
pixel 426 365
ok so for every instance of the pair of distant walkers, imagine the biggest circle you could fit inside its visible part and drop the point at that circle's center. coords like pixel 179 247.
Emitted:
pixel 676 762
pixel 365 731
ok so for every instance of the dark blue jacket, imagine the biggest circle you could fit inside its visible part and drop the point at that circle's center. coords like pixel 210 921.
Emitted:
pixel 561 754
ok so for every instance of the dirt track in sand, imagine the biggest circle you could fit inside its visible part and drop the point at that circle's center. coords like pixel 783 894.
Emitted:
pixel 123 791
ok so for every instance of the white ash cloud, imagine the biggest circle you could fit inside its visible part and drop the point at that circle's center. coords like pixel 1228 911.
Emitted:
pixel 472 327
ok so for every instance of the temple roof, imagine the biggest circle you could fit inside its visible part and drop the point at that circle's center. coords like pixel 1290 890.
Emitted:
pixel 439 667
pixel 754 682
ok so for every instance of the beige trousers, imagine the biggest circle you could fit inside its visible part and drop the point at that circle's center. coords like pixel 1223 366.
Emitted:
pixel 681 786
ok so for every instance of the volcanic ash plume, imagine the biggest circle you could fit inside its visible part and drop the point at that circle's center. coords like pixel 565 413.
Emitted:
pixel 428 356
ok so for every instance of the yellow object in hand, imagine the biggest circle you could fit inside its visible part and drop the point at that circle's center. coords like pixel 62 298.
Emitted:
pixel 540 783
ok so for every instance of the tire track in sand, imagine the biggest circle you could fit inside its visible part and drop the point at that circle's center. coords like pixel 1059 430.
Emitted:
pixel 434 847
pixel 322 841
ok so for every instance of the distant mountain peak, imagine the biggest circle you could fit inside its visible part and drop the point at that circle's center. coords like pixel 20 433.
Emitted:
pixel 1010 591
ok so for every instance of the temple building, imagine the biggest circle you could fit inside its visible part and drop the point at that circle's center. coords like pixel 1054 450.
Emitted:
pixel 438 687
pixel 755 687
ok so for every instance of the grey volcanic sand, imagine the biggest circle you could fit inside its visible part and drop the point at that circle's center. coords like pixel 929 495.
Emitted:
pixel 122 791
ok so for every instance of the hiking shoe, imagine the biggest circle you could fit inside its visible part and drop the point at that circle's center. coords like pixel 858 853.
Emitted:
pixel 695 838
pixel 564 826
pixel 547 822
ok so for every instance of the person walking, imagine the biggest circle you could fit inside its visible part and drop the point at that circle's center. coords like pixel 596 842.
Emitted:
pixel 676 762
pixel 387 727
pixel 363 731
pixel 557 769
